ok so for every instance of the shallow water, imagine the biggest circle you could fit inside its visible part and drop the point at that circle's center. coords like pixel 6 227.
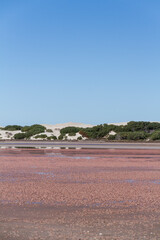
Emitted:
pixel 71 192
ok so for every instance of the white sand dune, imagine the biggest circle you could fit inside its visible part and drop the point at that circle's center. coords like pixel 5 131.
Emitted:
pixel 57 127
pixel 69 124
pixel 119 124
pixel 4 134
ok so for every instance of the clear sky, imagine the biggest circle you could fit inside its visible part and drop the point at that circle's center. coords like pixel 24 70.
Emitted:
pixel 91 61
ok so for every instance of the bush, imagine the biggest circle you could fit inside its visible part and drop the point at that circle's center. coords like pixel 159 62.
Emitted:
pixel 83 133
pixel 20 136
pixel 153 126
pixel 25 128
pixel 33 130
pixel 100 131
pixel 96 132
pixel 49 130
pixel 41 136
pixel 132 136
pixel 79 138
pixel 141 126
pixel 111 137
pixel 155 135
pixel 12 128
pixel 52 138
pixel 70 130
pixel 61 137
pixel 72 134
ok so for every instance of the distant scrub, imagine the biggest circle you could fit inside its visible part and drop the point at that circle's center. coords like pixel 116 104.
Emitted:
pixel 141 126
pixel 52 138
pixel 41 136
pixel 49 130
pixel 132 131
pixel 12 128
pixel 61 136
pixel 79 138
pixel 111 137
pixel 20 136
pixel 83 133
pixel 70 130
pixel 33 130
pixel 155 135
pixel 135 136
pixel 29 131
pixel 72 134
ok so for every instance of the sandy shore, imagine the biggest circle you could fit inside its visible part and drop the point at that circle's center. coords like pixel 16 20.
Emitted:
pixel 79 194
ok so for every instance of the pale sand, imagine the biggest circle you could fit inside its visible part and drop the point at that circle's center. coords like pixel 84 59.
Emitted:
pixel 118 124
pixel 57 127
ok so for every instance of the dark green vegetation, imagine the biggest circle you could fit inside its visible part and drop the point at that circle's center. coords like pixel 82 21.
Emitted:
pixel 79 138
pixel 20 136
pixel 61 137
pixel 12 128
pixel 49 130
pixel 41 136
pixel 29 131
pixel 52 138
pixel 72 134
pixel 155 135
pixel 70 130
pixel 129 136
pixel 133 131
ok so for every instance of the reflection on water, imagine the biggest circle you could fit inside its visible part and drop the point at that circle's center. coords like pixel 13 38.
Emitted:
pixel 41 152
pixel 37 147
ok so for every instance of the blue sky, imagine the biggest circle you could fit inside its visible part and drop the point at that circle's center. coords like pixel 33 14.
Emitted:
pixel 91 61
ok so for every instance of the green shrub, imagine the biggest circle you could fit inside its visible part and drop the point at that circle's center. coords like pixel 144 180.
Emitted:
pixel 141 126
pixel 153 126
pixel 20 136
pixel 61 137
pixel 111 137
pixel 70 130
pixel 83 133
pixel 132 136
pixel 79 138
pixel 155 135
pixel 12 128
pixel 25 128
pixel 72 134
pixel 49 130
pixel 41 136
pixel 100 131
pixel 96 132
pixel 33 130
pixel 52 138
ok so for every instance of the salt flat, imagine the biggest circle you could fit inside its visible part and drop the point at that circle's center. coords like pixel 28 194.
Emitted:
pixel 79 194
